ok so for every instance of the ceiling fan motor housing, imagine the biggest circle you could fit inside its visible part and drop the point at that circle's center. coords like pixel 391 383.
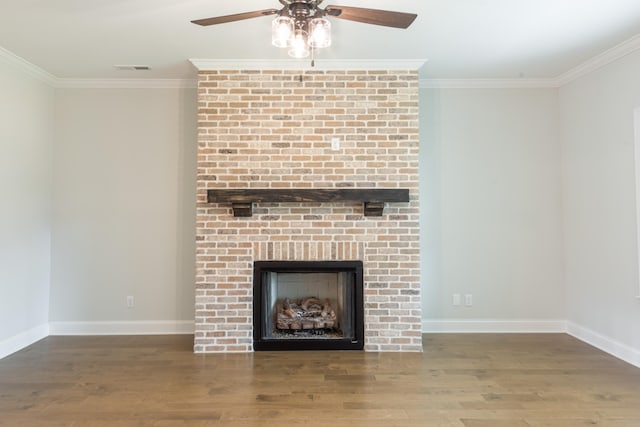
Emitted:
pixel 301 10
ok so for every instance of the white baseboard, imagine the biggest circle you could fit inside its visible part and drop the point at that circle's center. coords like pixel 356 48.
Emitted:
pixel 123 328
pixel 493 326
pixel 608 345
pixel 22 340
pixel 621 351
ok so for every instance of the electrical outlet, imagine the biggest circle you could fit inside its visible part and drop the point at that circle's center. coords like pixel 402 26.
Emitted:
pixel 468 300
pixel 130 301
pixel 335 144
pixel 456 299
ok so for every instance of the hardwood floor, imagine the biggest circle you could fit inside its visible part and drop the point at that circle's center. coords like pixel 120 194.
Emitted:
pixel 478 380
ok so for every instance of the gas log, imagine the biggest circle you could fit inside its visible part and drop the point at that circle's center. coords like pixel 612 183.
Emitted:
pixel 307 314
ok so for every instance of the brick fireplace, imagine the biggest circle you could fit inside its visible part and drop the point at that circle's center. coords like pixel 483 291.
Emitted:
pixel 278 129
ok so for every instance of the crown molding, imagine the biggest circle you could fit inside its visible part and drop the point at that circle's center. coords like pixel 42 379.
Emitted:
pixel 125 83
pixel 607 57
pixel 487 83
pixel 38 73
pixel 598 61
pixel 27 67
pixel 305 65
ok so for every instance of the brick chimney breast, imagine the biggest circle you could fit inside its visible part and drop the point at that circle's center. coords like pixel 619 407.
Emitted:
pixel 272 129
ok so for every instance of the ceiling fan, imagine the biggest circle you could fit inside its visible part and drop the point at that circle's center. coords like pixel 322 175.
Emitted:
pixel 301 25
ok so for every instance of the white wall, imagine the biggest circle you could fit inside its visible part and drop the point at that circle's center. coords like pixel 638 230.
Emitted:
pixel 26 137
pixel 491 209
pixel 124 210
pixel 515 198
pixel 599 210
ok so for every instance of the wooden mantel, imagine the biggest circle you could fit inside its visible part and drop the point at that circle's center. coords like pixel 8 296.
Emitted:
pixel 242 199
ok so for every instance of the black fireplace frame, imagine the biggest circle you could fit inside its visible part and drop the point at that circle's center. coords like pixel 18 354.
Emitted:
pixel 267 344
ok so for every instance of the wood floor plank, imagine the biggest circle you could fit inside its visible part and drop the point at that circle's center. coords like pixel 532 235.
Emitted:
pixel 461 380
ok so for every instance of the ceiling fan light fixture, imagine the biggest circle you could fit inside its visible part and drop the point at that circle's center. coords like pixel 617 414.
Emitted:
pixel 299 45
pixel 282 31
pixel 319 33
pixel 301 26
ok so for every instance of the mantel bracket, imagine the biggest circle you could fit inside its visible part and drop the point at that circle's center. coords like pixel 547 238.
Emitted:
pixel 242 209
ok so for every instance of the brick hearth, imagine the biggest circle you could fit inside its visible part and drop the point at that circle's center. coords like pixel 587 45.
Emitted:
pixel 273 129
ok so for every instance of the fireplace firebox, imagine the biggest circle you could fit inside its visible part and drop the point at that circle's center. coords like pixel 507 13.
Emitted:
pixel 308 305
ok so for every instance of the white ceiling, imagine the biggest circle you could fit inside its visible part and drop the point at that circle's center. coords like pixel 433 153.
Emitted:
pixel 499 39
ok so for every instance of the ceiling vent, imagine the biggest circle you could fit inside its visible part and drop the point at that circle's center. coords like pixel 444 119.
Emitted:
pixel 132 67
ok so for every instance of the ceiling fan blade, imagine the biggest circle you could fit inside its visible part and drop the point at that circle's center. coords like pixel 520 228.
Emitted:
pixel 372 16
pixel 235 17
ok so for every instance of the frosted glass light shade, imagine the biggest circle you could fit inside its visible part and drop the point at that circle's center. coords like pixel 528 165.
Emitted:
pixel 319 33
pixel 299 46
pixel 282 31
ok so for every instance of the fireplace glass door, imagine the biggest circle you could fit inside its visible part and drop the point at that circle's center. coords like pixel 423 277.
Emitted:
pixel 308 305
